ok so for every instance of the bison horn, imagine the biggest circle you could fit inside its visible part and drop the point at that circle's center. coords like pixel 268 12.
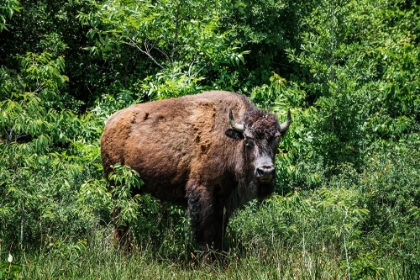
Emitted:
pixel 284 126
pixel 235 126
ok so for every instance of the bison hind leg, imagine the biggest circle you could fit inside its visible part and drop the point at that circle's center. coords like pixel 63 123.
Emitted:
pixel 122 235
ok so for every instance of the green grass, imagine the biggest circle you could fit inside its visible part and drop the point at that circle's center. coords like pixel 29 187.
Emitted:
pixel 277 262
pixel 96 264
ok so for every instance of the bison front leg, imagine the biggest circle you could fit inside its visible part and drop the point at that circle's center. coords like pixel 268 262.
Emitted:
pixel 207 223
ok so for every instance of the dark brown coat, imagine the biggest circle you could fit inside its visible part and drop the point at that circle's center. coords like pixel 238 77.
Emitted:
pixel 187 151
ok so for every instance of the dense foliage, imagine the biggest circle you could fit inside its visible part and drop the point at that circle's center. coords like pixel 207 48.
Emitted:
pixel 347 197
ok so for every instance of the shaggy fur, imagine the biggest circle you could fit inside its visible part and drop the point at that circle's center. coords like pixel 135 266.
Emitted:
pixel 187 153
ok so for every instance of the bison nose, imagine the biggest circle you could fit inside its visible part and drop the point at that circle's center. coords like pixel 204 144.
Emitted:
pixel 265 173
pixel 264 170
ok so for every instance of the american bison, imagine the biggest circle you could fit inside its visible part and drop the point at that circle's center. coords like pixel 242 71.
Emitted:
pixel 191 151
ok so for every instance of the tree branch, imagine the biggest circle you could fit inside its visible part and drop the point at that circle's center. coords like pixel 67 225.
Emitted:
pixel 146 52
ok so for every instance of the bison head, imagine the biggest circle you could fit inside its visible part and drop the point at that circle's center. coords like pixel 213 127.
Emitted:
pixel 260 133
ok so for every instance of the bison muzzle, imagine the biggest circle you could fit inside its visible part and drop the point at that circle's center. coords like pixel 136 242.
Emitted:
pixel 191 151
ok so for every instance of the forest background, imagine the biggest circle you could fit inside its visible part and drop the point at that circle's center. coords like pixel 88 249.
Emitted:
pixel 347 202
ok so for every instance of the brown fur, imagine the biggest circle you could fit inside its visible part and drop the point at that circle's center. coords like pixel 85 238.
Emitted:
pixel 183 153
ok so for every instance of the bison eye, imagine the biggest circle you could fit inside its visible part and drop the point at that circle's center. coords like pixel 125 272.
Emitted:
pixel 249 142
pixel 274 142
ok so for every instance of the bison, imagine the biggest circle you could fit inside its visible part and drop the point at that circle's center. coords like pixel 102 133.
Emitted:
pixel 191 151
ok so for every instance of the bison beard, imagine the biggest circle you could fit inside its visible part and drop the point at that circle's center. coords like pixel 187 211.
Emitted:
pixel 191 151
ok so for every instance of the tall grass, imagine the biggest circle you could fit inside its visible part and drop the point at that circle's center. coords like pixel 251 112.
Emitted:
pixel 277 263
pixel 310 257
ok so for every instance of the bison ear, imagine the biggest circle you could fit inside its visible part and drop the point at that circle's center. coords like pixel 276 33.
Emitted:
pixel 234 134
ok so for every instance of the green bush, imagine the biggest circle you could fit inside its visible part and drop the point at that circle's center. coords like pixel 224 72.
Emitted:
pixel 347 192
